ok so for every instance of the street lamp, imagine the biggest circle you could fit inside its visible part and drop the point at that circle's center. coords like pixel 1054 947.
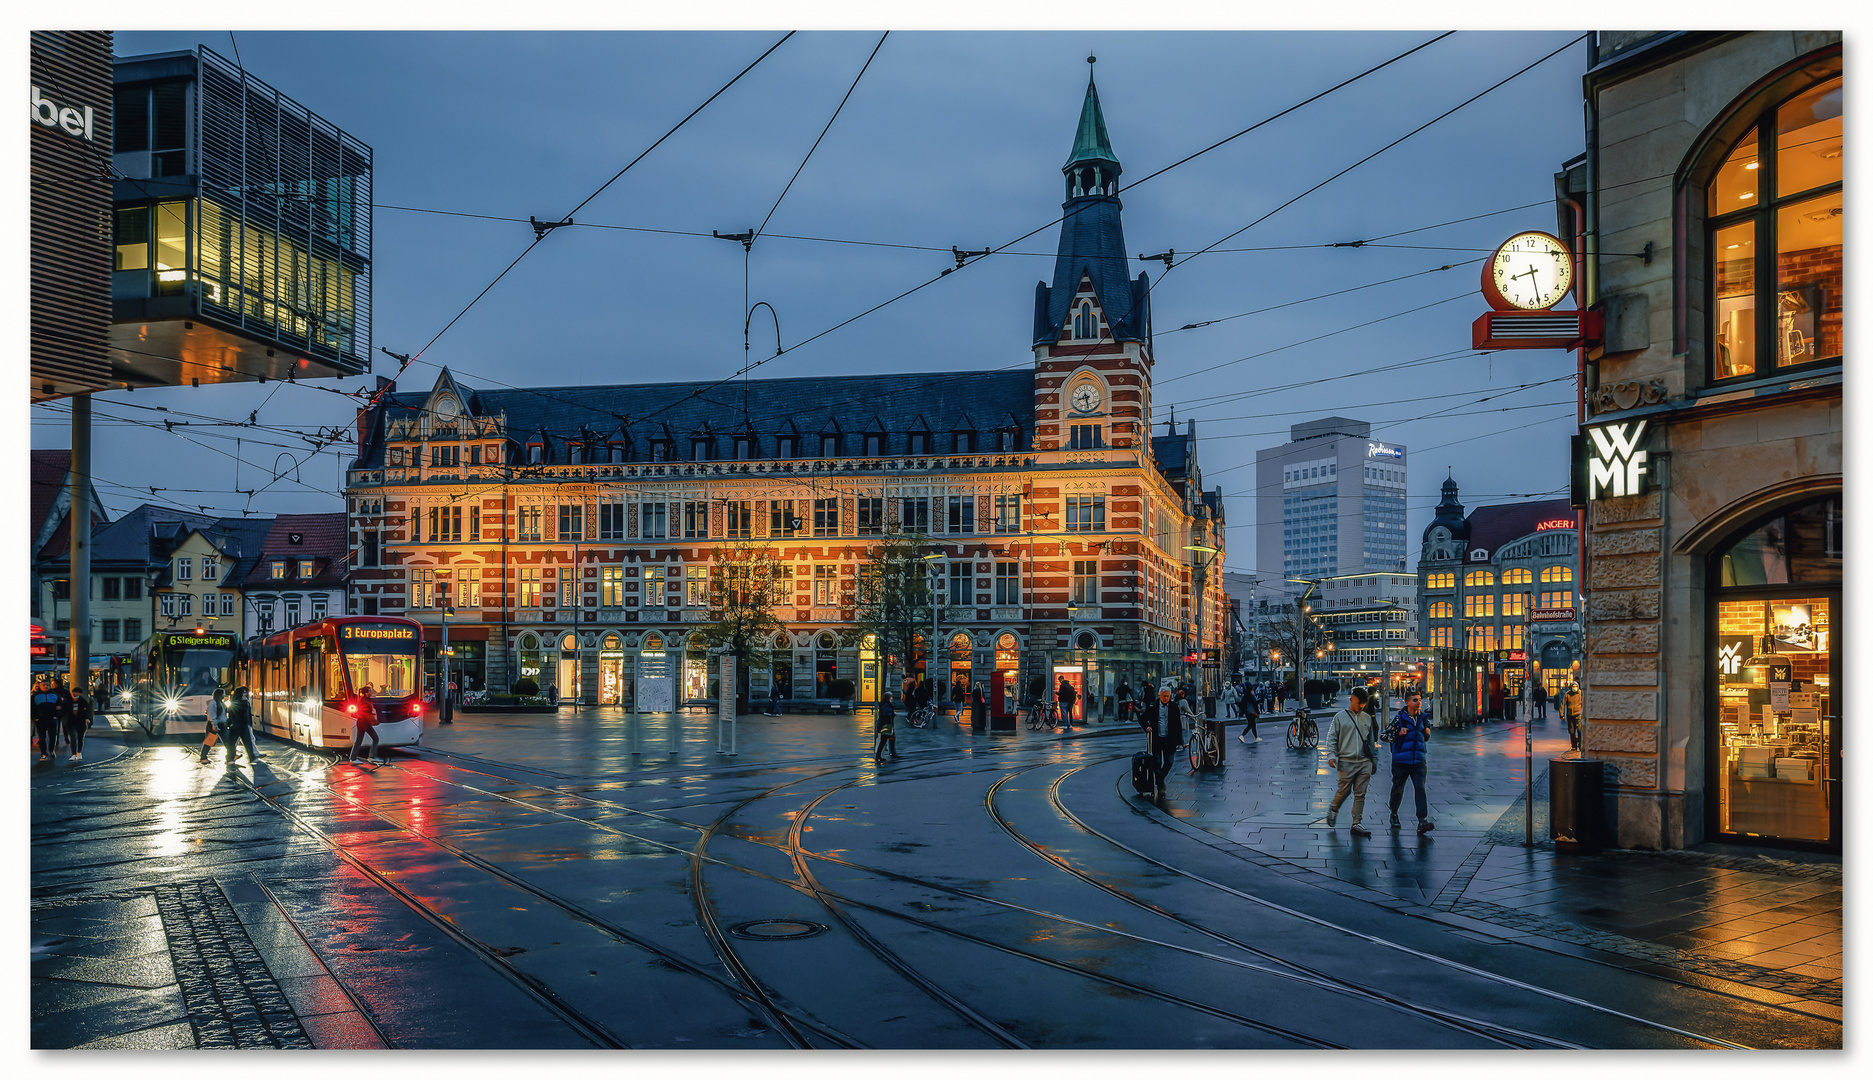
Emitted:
pixel 930 565
pixel 447 709
pixel 1202 581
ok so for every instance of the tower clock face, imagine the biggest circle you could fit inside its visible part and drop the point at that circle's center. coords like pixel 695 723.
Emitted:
pixel 1531 271
pixel 1085 398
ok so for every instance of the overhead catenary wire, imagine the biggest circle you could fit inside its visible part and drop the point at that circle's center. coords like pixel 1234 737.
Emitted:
pixel 541 234
pixel 1184 260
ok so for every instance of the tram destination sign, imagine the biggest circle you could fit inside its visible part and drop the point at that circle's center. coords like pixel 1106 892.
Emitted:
pixel 207 641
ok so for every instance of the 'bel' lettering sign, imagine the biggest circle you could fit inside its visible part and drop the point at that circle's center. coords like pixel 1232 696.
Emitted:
pixel 1615 464
pixel 77 121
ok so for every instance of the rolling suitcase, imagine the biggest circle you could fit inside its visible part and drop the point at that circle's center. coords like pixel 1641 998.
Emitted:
pixel 1144 774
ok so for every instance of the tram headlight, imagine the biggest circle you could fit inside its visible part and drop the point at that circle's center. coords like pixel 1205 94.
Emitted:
pixel 171 704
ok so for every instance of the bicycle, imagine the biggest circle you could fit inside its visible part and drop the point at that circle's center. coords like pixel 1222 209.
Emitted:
pixel 1303 730
pixel 1043 714
pixel 922 717
pixel 1204 749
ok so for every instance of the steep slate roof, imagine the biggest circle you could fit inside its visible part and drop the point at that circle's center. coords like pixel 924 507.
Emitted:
pixel 808 405
pixel 145 537
pixel 322 537
pixel 1172 453
pixel 1092 244
pixel 1493 526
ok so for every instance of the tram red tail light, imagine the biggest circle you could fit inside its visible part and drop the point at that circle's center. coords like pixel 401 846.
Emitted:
pixel 352 708
pixel 416 708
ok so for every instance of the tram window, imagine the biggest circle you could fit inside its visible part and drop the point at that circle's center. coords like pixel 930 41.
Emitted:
pixel 386 674
pixel 334 677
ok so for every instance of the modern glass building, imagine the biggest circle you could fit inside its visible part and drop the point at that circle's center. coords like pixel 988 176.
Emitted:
pixel 241 246
pixel 1331 501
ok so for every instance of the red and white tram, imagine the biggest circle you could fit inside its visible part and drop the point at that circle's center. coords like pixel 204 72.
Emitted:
pixel 310 683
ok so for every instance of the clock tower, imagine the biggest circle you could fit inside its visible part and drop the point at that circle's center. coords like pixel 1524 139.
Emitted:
pixel 1092 323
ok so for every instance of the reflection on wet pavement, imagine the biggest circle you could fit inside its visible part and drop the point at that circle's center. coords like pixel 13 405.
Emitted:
pixel 527 881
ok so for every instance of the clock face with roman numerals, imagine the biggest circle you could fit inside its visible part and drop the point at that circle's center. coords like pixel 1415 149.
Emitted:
pixel 1531 271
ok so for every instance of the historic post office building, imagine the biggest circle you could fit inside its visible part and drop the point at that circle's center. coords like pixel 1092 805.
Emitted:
pixel 572 528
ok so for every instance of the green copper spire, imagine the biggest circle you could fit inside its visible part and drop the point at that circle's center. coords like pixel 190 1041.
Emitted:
pixel 1091 143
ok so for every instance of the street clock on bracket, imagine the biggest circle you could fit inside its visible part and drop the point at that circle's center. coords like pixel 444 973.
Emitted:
pixel 1523 280
pixel 1531 271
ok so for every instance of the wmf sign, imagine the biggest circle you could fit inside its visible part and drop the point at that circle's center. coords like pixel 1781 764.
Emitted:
pixel 1610 461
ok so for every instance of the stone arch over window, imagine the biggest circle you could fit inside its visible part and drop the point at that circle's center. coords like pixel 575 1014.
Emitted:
pixel 529 641
pixel 1759 204
pixel 1085 322
pixel 827 640
pixel 611 642
pixel 653 642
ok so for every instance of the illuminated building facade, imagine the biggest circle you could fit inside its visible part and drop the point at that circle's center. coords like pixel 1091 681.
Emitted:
pixel 572 529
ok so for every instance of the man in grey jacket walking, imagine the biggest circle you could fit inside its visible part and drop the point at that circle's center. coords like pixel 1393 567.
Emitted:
pixel 1351 743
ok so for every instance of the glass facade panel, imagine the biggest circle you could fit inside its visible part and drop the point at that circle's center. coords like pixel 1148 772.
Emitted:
pixel 1809 263
pixel 1734 186
pixel 1776 717
pixel 1809 140
pixel 1735 277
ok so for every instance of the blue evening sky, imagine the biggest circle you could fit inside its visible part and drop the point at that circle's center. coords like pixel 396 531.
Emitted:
pixel 952 138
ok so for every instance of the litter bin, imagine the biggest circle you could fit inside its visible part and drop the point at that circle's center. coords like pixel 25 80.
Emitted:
pixel 1575 809
pixel 1222 737
pixel 1209 706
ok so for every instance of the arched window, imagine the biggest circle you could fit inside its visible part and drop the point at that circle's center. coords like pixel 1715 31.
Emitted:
pixel 653 642
pixel 1517 576
pixel 1476 578
pixel 1552 574
pixel 1085 323
pixel 1773 233
pixel 1443 609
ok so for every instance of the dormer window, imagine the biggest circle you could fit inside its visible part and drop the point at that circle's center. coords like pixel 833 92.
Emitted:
pixel 659 450
pixel 744 448
pixel 919 442
pixel 700 449
pixel 575 454
pixel 963 442
pixel 1085 323
pixel 305 568
pixel 828 445
pixel 1005 441
pixel 617 453
pixel 783 446
pixel 874 444
pixel 535 453
pixel 277 570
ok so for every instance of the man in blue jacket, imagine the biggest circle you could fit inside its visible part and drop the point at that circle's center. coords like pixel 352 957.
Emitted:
pixel 1409 735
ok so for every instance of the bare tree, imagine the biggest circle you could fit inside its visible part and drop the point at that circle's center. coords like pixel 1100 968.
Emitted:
pixel 894 598
pixel 1290 634
pixel 746 584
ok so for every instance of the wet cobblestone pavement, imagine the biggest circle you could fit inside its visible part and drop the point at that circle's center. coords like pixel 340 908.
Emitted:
pixel 531 882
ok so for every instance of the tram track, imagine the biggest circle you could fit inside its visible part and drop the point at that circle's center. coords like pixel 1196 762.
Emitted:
pixel 835 902
pixel 832 903
pixel 1372 939
pixel 1495 1033
pixel 590 1029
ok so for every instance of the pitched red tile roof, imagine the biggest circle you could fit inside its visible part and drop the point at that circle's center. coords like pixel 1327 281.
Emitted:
pixel 321 538
pixel 49 470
